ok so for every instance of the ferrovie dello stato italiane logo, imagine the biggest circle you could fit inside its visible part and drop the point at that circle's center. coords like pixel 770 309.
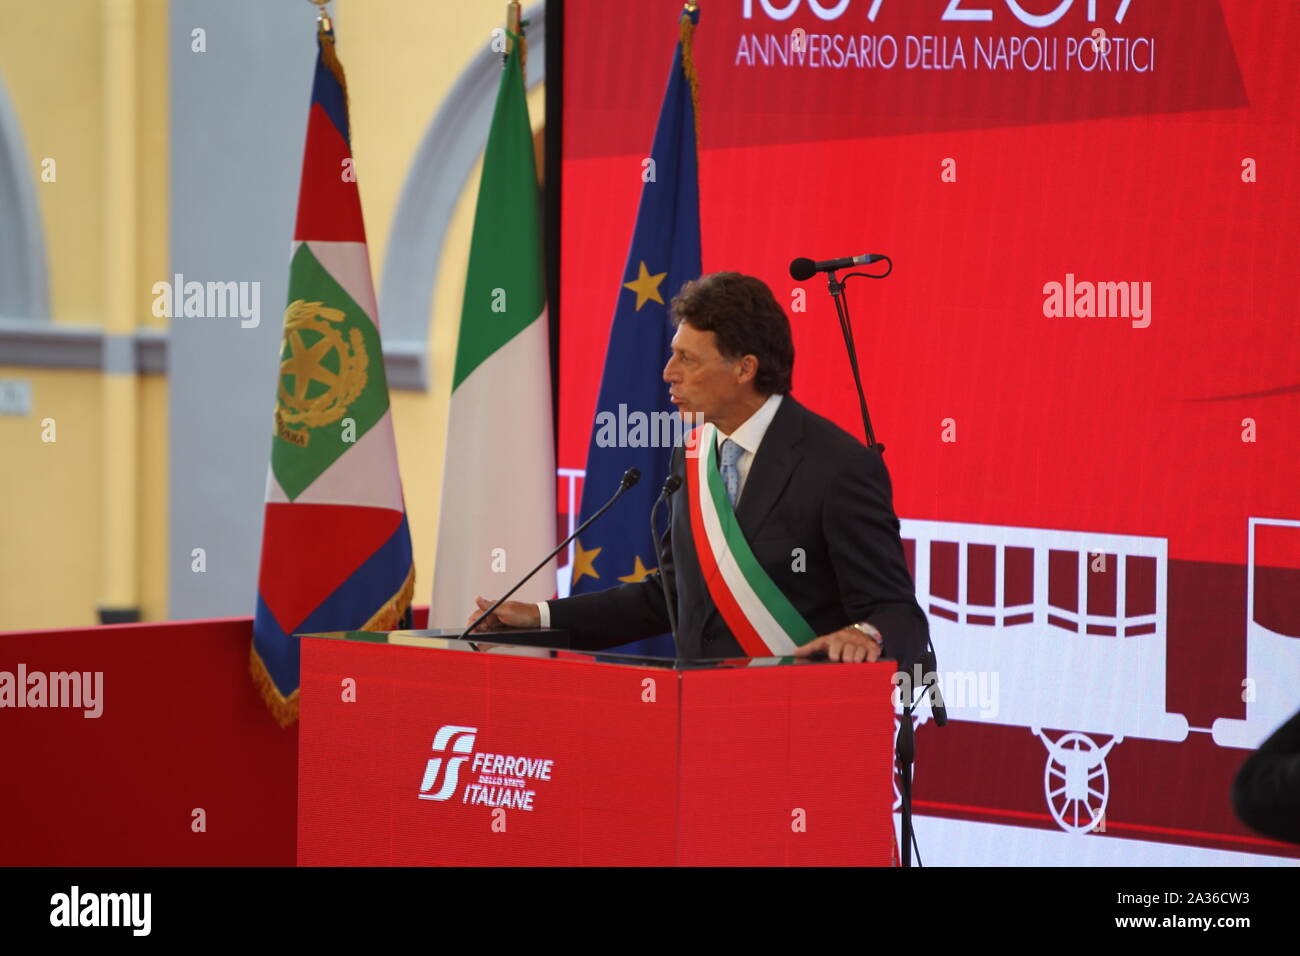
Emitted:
pixel 502 780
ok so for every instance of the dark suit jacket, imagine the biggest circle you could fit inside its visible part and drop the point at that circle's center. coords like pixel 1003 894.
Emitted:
pixel 811 486
pixel 1266 791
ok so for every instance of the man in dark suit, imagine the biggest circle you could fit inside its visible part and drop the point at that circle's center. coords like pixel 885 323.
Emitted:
pixel 813 503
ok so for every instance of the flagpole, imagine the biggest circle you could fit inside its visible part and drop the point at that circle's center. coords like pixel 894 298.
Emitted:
pixel 323 21
pixel 514 28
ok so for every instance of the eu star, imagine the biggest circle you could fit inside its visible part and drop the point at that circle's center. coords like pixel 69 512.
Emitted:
pixel 646 286
pixel 584 562
pixel 639 573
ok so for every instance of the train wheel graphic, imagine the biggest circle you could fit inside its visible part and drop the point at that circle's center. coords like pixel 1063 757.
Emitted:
pixel 1075 780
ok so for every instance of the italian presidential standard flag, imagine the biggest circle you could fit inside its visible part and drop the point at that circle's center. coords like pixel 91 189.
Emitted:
pixel 336 550
pixel 498 489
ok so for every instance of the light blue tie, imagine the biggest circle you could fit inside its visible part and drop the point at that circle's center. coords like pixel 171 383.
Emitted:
pixel 731 453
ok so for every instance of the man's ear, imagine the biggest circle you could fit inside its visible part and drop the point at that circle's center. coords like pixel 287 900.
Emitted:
pixel 748 369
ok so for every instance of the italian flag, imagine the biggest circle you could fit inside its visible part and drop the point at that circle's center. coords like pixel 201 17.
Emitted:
pixel 336 549
pixel 498 489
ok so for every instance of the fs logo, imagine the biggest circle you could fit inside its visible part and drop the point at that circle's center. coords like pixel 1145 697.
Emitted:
pixel 457 740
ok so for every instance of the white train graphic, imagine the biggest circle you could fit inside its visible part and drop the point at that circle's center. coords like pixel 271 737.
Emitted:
pixel 1074 626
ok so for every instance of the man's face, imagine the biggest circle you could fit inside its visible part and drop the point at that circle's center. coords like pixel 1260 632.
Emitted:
pixel 700 380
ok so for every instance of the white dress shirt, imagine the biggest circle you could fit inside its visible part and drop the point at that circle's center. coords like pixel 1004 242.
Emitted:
pixel 748 436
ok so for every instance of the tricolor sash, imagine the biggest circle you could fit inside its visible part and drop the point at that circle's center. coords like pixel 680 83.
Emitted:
pixel 760 617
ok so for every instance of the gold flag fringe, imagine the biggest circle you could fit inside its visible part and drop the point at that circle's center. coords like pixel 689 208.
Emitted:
pixel 283 709
pixel 390 614
pixel 330 58
pixel 387 618
pixel 686 37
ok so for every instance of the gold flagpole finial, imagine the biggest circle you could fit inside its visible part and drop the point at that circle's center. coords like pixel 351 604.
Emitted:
pixel 514 28
pixel 322 15
pixel 513 15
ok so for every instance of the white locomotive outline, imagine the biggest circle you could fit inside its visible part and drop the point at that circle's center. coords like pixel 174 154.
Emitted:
pixel 1099 680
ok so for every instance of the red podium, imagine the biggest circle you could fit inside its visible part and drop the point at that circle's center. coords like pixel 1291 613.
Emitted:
pixel 417 750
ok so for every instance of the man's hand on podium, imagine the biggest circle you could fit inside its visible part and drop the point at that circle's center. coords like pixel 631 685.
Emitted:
pixel 518 614
pixel 851 645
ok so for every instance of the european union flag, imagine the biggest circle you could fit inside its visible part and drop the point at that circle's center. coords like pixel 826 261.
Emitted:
pixel 633 402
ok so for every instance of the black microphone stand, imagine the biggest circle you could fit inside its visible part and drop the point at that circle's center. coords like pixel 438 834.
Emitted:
pixel 905 748
pixel 630 478
pixel 905 744
pixel 672 483
pixel 838 295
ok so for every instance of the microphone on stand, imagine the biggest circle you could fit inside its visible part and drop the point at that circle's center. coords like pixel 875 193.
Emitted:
pixel 672 484
pixel 803 269
pixel 630 478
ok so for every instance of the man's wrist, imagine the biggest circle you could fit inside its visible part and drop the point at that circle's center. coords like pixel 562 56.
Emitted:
pixel 543 614
pixel 867 628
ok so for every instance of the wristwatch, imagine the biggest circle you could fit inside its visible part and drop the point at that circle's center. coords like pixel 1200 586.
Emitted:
pixel 870 631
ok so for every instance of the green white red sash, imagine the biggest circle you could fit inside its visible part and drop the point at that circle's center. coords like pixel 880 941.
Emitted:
pixel 760 617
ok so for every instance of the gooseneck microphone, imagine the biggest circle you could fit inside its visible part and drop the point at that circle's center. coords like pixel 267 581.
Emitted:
pixel 630 478
pixel 670 485
pixel 802 269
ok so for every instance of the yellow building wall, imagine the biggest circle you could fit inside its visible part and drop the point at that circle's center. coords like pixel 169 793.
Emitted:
pixel 50 518
pixel 402 57
pixel 51 61
pixel 153 212
pixel 52 571
pixel 51 521
pixel 152 496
